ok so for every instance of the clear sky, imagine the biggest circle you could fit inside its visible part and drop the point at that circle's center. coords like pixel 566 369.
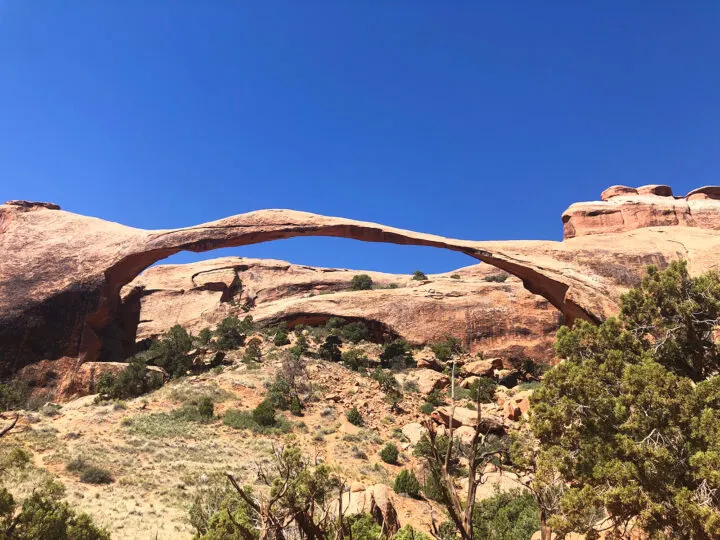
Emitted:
pixel 477 120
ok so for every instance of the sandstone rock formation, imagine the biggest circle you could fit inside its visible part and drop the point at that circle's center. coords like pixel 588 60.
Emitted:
pixel 61 273
pixel 624 209
pixel 498 318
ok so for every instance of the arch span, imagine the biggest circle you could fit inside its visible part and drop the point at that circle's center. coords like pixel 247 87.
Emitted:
pixel 61 273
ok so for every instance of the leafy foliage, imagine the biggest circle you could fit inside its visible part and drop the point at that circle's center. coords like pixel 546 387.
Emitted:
pixel 361 282
pixel 355 359
pixel 253 352
pixel 13 395
pixel 135 380
pixel 41 515
pixel 406 483
pixel 445 349
pixel 301 346
pixel 231 332
pixel 354 417
pixel 630 421
pixel 389 453
pixel 330 349
pixel 396 353
pixel 508 515
pixel 170 352
pixel 355 332
pixel 264 413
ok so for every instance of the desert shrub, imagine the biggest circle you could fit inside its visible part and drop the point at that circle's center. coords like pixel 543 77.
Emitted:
pixel 238 419
pixel 411 386
pixel 455 276
pixel 206 408
pixel 387 381
pixel 354 417
pixel 496 278
pixel 432 489
pixel 445 349
pixel 231 332
pixel 506 516
pixel 330 349
pixel 264 413
pixel 406 483
pixel 361 282
pixel 301 346
pixel 363 527
pixel 13 395
pixel 89 474
pixel 419 276
pixel 279 393
pixel 295 406
pixel 252 351
pixel 281 338
pixel 396 353
pixel 95 475
pixel 436 398
pixel 532 385
pixel 408 533
pixel 355 332
pixel 204 337
pixel 355 359
pixel 41 515
pixel 135 380
pixel 389 453
pixel 427 408
pixel 170 351
pixel 482 390
pixel 217 509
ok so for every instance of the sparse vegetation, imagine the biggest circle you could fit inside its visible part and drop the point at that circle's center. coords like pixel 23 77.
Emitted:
pixel 406 483
pixel 354 417
pixel 396 354
pixel 496 278
pixel 389 453
pixel 361 282
pixel 445 349
pixel 253 353
pixel 427 408
pixel 13 395
pixel 231 332
pixel 419 276
pixel 330 349
pixel 135 380
pixel 170 352
pixel 355 359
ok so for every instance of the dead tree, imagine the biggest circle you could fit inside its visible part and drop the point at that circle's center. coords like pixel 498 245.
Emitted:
pixel 479 455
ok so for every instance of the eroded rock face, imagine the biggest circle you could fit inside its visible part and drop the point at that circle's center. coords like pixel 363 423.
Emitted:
pixel 498 318
pixel 61 273
pixel 624 209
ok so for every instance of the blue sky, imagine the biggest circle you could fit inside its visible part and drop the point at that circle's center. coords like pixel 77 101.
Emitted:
pixel 478 120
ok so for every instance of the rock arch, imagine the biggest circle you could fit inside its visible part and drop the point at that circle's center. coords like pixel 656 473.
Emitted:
pixel 61 273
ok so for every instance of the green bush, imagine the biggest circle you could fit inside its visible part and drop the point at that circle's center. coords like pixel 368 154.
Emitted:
pixel 280 393
pixel 204 337
pixel 355 332
pixel 135 380
pixel 330 349
pixel 444 350
pixel 281 338
pixel 506 516
pixel 354 417
pixel 497 278
pixel 432 489
pixel 408 533
pixel 238 419
pixel 419 276
pixel 264 414
pixel 389 453
pixel 427 408
pixel 355 359
pixel 455 276
pixel 406 483
pixel 13 395
pixel 387 381
pixel 361 282
pixel 43 516
pixel 170 352
pixel 252 351
pixel 301 346
pixel 483 390
pixel 436 398
pixel 95 475
pixel 296 406
pixel 206 408
pixel 231 332
pixel 396 353
pixel 363 527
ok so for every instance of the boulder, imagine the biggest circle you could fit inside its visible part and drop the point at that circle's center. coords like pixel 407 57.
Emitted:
pixel 483 368
pixel 468 417
pixel 414 432
pixel 426 380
